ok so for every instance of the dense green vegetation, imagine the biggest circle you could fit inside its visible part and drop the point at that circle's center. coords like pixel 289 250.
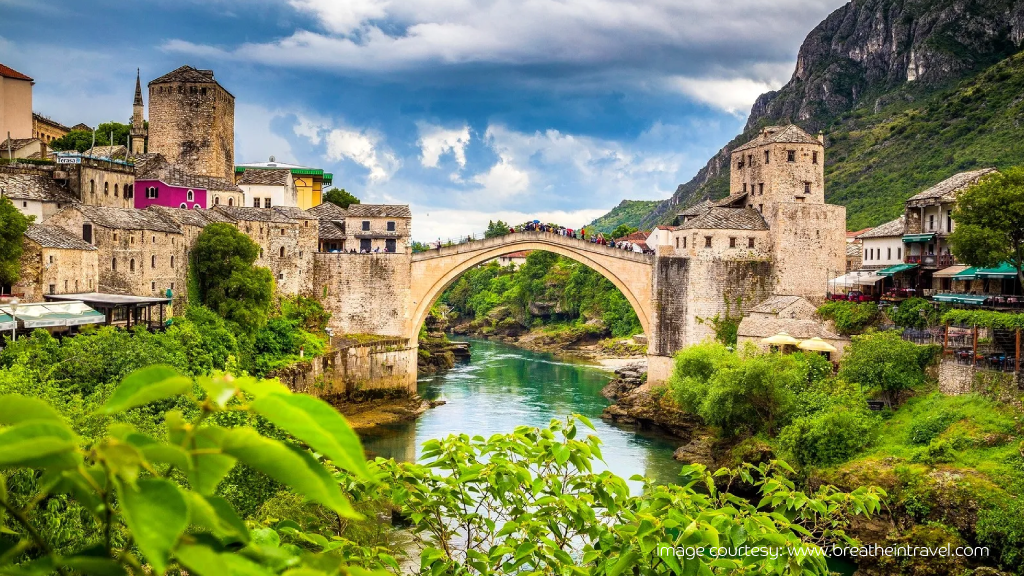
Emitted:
pixel 548 290
pixel 952 465
pixel 227 281
pixel 81 140
pixel 12 229
pixel 628 212
pixel 850 317
pixel 340 197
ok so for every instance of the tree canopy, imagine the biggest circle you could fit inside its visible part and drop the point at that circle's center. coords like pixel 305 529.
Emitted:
pixel 12 227
pixel 228 283
pixel 623 230
pixel 340 197
pixel 81 140
pixel 495 229
pixel 990 222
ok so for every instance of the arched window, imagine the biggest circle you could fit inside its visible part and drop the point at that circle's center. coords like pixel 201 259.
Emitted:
pixel 131 265
pixel 106 188
pixel 231 201
pixel 216 200
pixel 113 264
pixel 183 205
pixel 190 196
pixel 152 261
pixel 282 251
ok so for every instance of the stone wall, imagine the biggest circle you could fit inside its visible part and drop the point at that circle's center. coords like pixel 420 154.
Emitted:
pixel 193 125
pixel 287 249
pixel 809 248
pixel 365 293
pixel 67 271
pixel 723 288
pixel 356 370
pixel 956 379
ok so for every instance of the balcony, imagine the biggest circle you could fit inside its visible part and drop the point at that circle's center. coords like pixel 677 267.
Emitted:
pixel 931 260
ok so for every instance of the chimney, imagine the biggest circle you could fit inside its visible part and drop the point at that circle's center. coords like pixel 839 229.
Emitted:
pixel 821 136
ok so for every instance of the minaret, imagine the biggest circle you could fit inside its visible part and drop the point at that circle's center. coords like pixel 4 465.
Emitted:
pixel 138 120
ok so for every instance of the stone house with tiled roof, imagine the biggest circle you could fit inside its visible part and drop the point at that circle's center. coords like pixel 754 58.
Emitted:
pixel 379 227
pixel 267 188
pixel 333 236
pixel 55 261
pixel 882 246
pixel 140 252
pixel 735 233
pixel 34 190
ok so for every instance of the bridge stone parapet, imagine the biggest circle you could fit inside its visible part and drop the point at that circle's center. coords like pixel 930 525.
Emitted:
pixel 519 237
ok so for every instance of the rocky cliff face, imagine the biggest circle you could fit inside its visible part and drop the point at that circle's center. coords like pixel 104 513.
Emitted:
pixel 871 52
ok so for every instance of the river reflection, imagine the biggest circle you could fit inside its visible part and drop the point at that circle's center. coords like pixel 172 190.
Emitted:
pixel 502 387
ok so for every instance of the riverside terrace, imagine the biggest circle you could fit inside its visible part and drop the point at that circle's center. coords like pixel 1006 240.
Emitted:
pixel 122 309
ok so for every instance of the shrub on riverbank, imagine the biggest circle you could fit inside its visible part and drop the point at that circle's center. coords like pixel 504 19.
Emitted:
pixel 850 317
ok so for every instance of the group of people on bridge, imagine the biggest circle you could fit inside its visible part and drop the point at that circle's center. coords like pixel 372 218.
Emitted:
pixel 574 233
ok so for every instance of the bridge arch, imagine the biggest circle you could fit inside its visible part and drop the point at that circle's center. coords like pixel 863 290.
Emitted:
pixel 435 270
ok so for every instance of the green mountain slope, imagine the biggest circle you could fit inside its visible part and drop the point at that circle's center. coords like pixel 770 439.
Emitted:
pixel 627 212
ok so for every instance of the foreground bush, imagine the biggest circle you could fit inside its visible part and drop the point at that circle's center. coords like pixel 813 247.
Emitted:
pixel 828 437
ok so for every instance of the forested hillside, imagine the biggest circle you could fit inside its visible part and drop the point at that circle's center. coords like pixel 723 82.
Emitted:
pixel 627 212
pixel 908 92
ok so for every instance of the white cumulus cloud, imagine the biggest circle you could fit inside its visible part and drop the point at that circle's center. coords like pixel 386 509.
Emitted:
pixel 503 180
pixel 436 141
pixel 363 148
pixel 735 95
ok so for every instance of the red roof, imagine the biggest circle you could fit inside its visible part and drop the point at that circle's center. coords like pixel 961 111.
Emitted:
pixel 12 73
pixel 635 237
pixel 857 233
pixel 665 227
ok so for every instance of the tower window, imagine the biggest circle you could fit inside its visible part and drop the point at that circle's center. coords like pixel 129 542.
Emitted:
pixel 92 186
pixel 807 187
pixel 115 191
pixel 814 157
pixel 131 265
pixel 744 187
pixel 760 188
pixel 152 261
pixel 281 252
pixel 172 261
pixel 113 264
pixel 106 188
pixel 767 156
pixel 790 155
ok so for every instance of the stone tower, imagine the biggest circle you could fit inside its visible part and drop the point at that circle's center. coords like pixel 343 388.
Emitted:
pixel 192 122
pixel 138 119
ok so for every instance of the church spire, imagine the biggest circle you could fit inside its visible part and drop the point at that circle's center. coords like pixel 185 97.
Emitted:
pixel 138 88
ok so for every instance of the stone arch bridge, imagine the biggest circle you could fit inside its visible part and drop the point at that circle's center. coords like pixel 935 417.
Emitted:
pixel 435 270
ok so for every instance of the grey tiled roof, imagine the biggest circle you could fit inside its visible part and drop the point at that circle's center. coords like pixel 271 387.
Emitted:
pixel 294 213
pixel 379 211
pixel 775 303
pixel 948 188
pixel 182 216
pixel 328 211
pixel 107 152
pixel 17 143
pixel 790 134
pixel 698 208
pixel 186 74
pixel 40 187
pixel 257 176
pixel 128 219
pixel 331 230
pixel 892 228
pixel 718 218
pixel 853 249
pixel 215 184
pixel 733 201
pixel 56 237
pixel 253 214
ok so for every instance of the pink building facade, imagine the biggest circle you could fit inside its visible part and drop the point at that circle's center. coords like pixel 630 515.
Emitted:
pixel 159 193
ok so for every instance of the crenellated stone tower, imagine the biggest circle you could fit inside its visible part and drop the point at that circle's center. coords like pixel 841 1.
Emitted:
pixel 138 119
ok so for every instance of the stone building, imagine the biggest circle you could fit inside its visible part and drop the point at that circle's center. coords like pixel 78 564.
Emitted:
pixel 192 122
pixel 55 261
pixel 791 314
pixel 100 181
pixel 139 251
pixel 379 227
pixel 47 129
pixel 161 183
pixel 34 190
pixel 882 246
pixel 19 148
pixel 15 103
pixel 287 238
pixel 332 236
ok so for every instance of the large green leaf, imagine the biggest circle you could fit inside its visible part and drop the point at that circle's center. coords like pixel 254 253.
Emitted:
pixel 156 513
pixel 216 515
pixel 38 444
pixel 201 560
pixel 208 468
pixel 15 409
pixel 317 424
pixel 93 566
pixel 288 465
pixel 149 384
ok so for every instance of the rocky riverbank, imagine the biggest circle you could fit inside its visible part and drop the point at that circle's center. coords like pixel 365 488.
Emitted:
pixel 589 341
pixel 368 414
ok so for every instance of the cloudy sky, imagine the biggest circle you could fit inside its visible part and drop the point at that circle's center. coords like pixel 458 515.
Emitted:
pixel 467 110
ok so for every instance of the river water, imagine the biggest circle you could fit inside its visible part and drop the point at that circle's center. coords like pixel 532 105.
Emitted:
pixel 502 387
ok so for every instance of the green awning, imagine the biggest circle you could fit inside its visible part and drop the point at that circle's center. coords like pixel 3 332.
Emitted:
pixel 972 299
pixel 908 238
pixel 969 274
pixel 945 297
pixel 1004 270
pixel 895 269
